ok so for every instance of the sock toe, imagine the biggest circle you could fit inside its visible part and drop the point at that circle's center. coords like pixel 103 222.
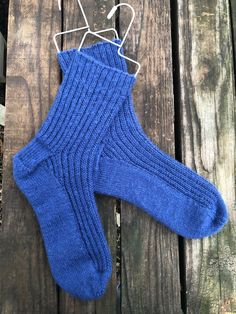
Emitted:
pixel 90 284
pixel 218 217
pixel 203 222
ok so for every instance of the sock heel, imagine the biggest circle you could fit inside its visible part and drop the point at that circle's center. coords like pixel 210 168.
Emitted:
pixel 30 156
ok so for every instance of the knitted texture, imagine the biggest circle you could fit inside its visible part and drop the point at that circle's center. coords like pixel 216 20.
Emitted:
pixel 132 168
pixel 56 171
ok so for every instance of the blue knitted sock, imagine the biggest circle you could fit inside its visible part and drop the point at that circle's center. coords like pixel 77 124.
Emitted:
pixel 134 169
pixel 56 169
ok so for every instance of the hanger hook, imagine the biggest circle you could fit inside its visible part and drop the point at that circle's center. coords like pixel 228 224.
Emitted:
pixel 109 16
pixel 113 10
pixel 81 8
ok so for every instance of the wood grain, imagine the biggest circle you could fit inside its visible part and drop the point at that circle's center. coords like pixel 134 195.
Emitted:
pixel 206 93
pixel 96 12
pixel 208 145
pixel 150 263
pixel 26 285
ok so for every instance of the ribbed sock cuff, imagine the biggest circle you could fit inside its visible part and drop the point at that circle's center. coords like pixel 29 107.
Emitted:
pixel 110 79
pixel 105 52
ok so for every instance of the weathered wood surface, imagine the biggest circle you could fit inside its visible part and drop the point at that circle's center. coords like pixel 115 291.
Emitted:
pixel 205 104
pixel 96 12
pixel 150 262
pixel 207 99
pixel 26 285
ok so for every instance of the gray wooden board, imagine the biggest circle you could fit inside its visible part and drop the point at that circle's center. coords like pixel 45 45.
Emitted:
pixel 26 285
pixel 207 99
pixel 150 262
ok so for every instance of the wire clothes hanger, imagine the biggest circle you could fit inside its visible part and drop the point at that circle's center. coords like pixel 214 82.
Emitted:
pixel 109 16
pixel 80 28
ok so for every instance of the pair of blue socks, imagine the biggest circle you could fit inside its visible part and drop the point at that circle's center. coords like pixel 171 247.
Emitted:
pixel 91 141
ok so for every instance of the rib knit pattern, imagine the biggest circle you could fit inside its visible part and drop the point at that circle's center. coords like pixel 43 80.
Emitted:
pixel 134 169
pixel 56 172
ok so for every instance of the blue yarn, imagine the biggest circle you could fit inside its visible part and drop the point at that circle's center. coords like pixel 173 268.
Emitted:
pixel 132 168
pixel 56 173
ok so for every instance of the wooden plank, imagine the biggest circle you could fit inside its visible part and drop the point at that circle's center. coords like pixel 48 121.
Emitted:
pixel 96 12
pixel 26 285
pixel 150 262
pixel 208 145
